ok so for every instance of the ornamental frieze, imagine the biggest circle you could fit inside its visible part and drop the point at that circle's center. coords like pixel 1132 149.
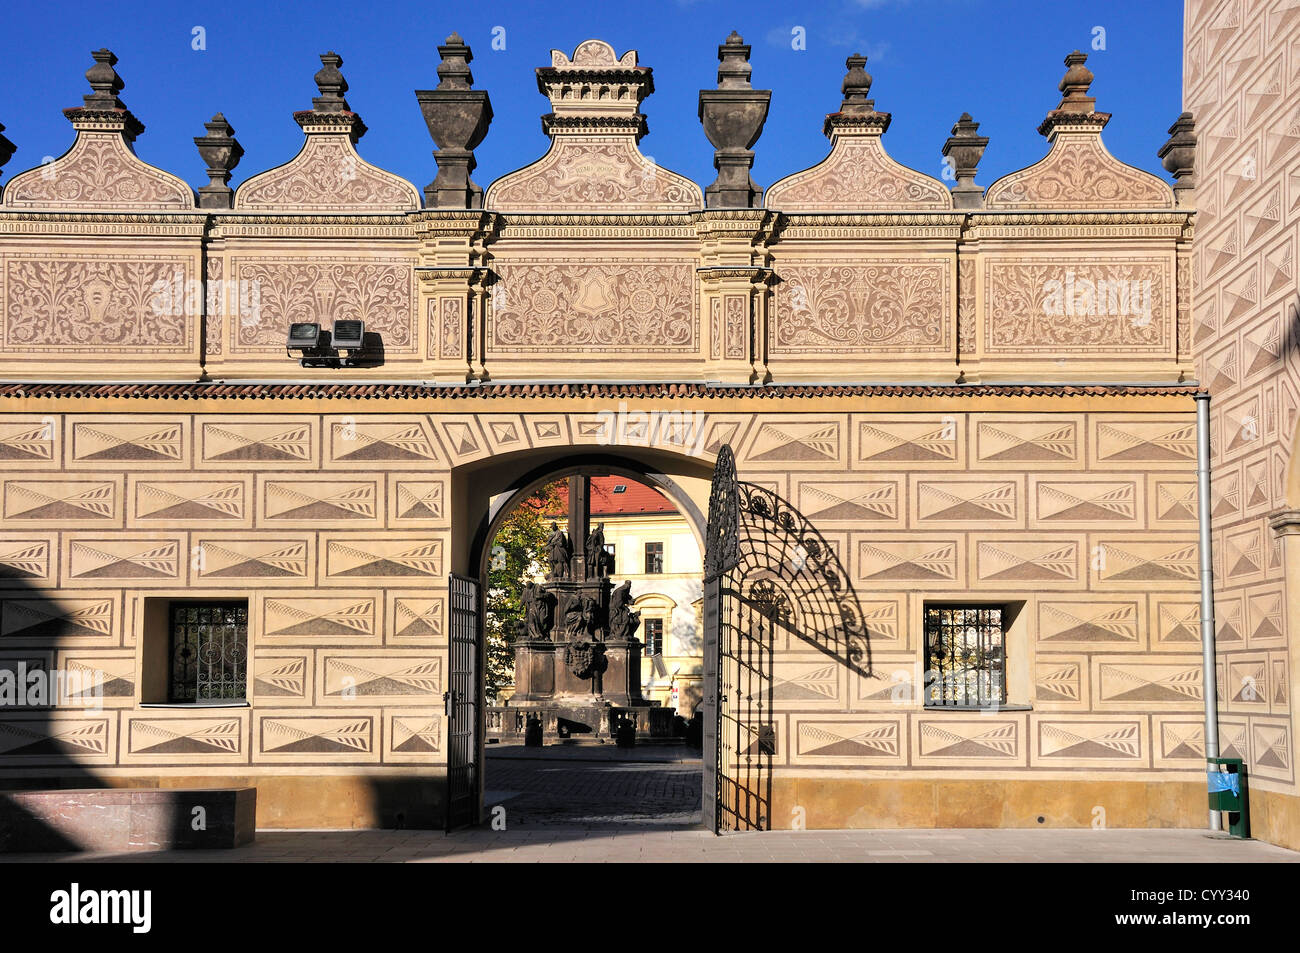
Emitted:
pixel 559 305
pixel 1048 307
pixel 275 293
pixel 99 171
pixel 863 307
pixel 90 304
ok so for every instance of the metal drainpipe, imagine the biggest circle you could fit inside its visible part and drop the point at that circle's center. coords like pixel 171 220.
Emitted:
pixel 1209 686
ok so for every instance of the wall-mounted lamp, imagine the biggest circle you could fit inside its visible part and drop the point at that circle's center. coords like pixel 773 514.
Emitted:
pixel 349 335
pixel 345 346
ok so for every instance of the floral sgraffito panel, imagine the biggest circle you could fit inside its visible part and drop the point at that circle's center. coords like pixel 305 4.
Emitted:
pixel 588 175
pixel 1048 306
pixel 560 306
pixel 275 293
pixel 858 176
pixel 99 172
pixel 88 305
pixel 327 176
pixel 879 306
pixel 1078 174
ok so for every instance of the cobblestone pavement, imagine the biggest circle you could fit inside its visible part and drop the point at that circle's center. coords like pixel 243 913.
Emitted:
pixel 593 794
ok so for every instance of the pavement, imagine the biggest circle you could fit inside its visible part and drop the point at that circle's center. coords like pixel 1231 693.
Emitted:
pixel 599 804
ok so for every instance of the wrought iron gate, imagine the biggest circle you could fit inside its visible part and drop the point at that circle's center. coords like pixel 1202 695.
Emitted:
pixel 768 574
pixel 465 615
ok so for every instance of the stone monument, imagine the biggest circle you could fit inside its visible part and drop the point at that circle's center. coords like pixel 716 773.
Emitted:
pixel 577 657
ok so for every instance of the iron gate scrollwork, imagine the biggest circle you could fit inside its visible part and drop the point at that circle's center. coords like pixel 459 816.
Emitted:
pixel 464 615
pixel 768 574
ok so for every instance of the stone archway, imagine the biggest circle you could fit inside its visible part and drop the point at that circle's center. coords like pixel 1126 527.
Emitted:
pixel 483 495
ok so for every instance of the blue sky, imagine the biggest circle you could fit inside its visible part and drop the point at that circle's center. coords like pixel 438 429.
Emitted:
pixel 930 59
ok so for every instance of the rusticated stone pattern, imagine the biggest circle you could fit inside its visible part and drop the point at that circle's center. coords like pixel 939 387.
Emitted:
pixel 327 176
pixel 863 307
pixel 1079 174
pixel 858 176
pixel 562 306
pixel 98 172
pixel 95 304
pixel 1243 316
pixel 338 530
pixel 275 292
pixel 1085 306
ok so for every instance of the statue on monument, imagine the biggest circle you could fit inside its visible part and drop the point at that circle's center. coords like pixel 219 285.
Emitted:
pixel 559 550
pixel 623 621
pixel 580 617
pixel 597 564
pixel 539 612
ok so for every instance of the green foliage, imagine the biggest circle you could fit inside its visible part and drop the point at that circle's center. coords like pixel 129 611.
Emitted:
pixel 517 555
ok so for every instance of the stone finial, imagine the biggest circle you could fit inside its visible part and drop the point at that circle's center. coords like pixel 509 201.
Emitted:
pixel 222 153
pixel 104 82
pixel 458 118
pixel 7 148
pixel 330 112
pixel 102 108
pixel 453 71
pixel 1076 106
pixel 857 111
pixel 856 87
pixel 733 116
pixel 1178 156
pixel 964 149
pixel 331 84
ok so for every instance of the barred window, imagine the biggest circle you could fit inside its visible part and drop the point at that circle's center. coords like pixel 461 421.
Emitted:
pixel 965 656
pixel 654 636
pixel 208 649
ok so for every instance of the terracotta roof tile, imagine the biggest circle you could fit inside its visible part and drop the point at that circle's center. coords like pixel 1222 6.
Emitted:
pixel 363 391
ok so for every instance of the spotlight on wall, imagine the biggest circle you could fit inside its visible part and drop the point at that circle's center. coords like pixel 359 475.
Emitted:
pixel 348 335
pixel 303 337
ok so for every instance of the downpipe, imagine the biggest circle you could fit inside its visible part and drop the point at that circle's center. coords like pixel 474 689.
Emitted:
pixel 1209 679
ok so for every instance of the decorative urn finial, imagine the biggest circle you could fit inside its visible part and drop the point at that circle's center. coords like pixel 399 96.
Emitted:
pixel 330 112
pixel 857 113
pixel 222 153
pixel 1178 156
pixel 1076 106
pixel 102 107
pixel 964 149
pixel 733 116
pixel 458 118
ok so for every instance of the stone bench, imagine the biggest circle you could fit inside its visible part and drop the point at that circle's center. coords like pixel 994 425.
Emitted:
pixel 126 819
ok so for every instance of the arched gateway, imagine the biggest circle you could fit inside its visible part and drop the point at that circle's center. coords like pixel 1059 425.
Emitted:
pixel 939 445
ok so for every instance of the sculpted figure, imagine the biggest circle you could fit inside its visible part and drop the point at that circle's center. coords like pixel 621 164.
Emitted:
pixel 539 609
pixel 596 562
pixel 559 550
pixel 623 621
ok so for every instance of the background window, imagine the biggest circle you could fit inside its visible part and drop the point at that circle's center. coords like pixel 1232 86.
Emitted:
pixel 654 636
pixel 654 557
pixel 965 656
pixel 207 651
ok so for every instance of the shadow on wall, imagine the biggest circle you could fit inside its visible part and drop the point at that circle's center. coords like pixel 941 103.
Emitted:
pixel 52 720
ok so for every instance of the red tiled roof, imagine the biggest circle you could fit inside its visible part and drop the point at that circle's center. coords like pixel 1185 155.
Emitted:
pixel 342 390
pixel 637 499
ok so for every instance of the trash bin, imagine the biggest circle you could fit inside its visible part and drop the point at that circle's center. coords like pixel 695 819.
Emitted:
pixel 1226 781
